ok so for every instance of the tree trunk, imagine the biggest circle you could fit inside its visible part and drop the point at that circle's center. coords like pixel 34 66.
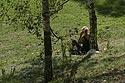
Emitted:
pixel 93 25
pixel 48 72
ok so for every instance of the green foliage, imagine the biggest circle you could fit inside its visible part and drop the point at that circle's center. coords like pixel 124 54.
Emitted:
pixel 27 14
pixel 22 13
pixel 111 7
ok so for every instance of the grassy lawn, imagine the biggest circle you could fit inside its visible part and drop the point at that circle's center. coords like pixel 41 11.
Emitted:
pixel 21 50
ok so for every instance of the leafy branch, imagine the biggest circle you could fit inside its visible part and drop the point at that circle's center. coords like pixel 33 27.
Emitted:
pixel 23 14
pixel 56 6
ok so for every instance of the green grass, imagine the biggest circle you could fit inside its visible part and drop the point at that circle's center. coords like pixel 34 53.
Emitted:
pixel 17 47
pixel 20 49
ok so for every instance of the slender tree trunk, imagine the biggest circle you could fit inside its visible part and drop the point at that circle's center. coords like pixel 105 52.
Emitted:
pixel 48 72
pixel 93 25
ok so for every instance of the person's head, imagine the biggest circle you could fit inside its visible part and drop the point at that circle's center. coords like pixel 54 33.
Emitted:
pixel 86 30
pixel 83 28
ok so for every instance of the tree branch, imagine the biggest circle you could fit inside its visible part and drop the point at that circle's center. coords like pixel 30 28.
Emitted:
pixel 60 7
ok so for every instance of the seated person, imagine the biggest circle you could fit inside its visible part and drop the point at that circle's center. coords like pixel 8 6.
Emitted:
pixel 83 42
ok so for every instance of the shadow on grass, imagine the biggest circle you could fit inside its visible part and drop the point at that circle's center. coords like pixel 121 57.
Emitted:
pixel 69 69
pixel 114 8
pixel 32 74
pixel 66 70
pixel 113 75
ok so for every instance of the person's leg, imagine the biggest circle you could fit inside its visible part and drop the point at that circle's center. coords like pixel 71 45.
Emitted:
pixel 75 43
pixel 85 47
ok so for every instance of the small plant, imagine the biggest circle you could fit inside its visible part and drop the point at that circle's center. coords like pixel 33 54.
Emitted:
pixel 9 78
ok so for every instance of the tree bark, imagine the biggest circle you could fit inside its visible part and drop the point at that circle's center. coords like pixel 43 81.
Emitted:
pixel 48 72
pixel 93 25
